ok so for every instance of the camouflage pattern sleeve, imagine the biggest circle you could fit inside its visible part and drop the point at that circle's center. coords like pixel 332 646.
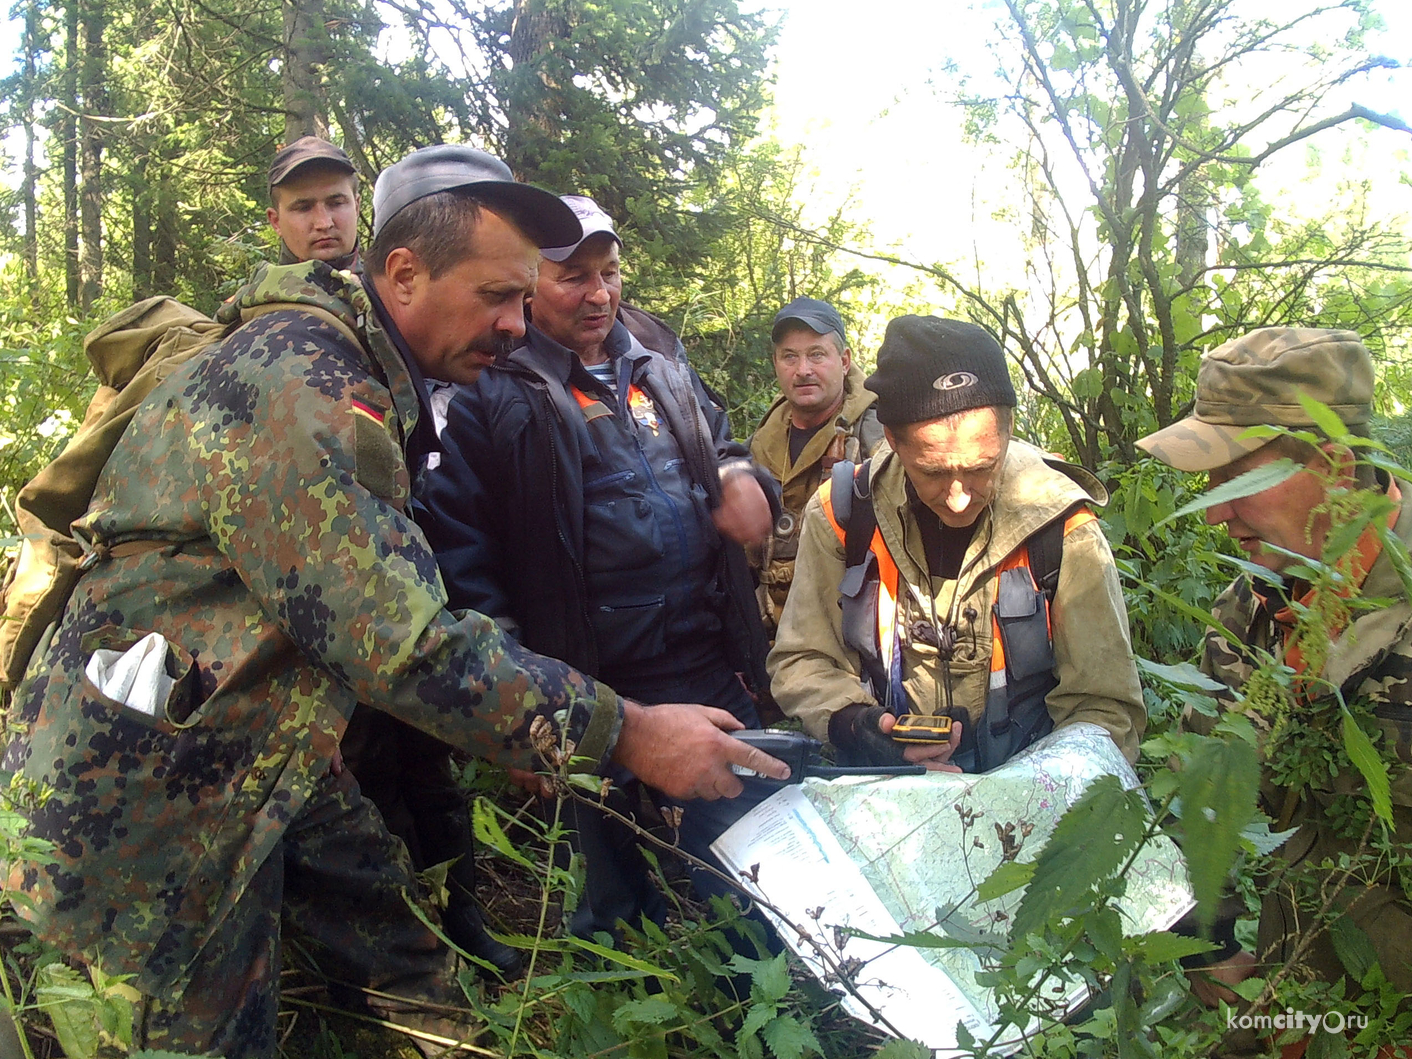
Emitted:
pixel 307 509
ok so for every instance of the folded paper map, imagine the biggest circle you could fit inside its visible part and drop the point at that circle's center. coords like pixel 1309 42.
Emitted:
pixel 887 856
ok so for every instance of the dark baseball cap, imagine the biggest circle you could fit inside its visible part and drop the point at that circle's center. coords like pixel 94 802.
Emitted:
pixel 301 152
pixel 540 214
pixel 815 315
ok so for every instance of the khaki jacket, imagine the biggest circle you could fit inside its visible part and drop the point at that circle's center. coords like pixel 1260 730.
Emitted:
pixel 1372 662
pixel 813 674
pixel 855 436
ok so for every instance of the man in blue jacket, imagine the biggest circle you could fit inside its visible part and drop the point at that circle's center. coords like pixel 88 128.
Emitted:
pixel 589 498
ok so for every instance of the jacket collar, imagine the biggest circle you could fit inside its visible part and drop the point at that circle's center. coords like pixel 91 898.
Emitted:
pixel 554 362
pixel 348 262
pixel 409 392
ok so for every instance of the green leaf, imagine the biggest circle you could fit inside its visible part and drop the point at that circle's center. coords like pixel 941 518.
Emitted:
pixel 1264 841
pixel 1105 930
pixel 489 832
pixel 1161 946
pixel 1088 845
pixel 755 1020
pixel 1250 989
pixel 1353 947
pixel 1365 758
pixel 1266 476
pixel 652 1011
pixel 1218 784
pixel 915 939
pixel 1396 552
pixel 68 1000
pixel 1324 417
pixel 770 977
pixel 789 1038
pixel 898 1049
pixel 612 955
pixel 1181 675
pixel 1007 877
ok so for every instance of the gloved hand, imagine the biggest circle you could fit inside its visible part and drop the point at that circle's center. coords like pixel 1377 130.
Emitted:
pixel 854 731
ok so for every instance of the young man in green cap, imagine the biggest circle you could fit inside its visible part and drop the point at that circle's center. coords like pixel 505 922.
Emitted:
pixel 314 203
pixel 1258 380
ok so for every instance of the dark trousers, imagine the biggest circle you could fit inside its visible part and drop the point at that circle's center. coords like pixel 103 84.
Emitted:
pixel 337 883
pixel 617 881
pixel 407 775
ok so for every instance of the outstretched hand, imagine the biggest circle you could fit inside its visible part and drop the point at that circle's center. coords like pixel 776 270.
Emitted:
pixel 684 751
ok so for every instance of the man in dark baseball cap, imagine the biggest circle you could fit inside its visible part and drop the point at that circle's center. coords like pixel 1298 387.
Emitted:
pixel 1258 380
pixel 314 203
pixel 822 415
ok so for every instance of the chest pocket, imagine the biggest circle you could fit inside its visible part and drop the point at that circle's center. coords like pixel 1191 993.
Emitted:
pixel 620 531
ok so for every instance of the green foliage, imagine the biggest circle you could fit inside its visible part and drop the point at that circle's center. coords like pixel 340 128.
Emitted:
pixel 1217 782
pixel 1089 845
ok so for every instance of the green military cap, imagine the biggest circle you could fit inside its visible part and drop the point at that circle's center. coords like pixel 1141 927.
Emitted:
pixel 1256 380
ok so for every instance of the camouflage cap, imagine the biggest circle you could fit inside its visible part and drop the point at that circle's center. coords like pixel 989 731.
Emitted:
pixel 302 152
pixel 1256 380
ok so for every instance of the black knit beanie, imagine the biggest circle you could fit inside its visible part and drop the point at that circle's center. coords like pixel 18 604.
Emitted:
pixel 929 367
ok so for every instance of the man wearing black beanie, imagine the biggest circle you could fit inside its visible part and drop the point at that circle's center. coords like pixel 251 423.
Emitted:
pixel 962 574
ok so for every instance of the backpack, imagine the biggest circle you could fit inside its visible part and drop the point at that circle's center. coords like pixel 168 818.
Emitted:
pixel 131 352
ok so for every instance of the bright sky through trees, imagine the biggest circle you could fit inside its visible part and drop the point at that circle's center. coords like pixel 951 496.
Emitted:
pixel 864 88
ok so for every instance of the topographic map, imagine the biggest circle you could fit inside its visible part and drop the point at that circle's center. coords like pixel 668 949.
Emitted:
pixel 904 854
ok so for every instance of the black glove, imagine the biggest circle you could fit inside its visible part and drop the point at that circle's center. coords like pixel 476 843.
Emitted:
pixel 854 731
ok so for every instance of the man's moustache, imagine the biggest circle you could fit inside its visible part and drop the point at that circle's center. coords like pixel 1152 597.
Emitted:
pixel 501 345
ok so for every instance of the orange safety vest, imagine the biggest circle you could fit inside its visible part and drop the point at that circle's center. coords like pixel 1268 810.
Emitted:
pixel 871 589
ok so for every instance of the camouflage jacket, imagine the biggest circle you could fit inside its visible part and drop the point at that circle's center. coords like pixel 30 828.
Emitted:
pixel 1372 662
pixel 253 515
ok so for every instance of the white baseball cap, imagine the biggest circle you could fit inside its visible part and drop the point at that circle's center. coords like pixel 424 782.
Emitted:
pixel 593 219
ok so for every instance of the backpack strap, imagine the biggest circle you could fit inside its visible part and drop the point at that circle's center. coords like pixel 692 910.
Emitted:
pixel 852 498
pixel 841 492
pixel 1046 549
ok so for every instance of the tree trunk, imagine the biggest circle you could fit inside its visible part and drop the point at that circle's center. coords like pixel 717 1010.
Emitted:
pixel 166 220
pixel 30 178
pixel 95 106
pixel 531 115
pixel 140 188
pixel 304 58
pixel 68 135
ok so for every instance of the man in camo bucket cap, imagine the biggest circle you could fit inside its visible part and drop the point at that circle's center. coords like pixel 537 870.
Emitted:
pixel 1259 380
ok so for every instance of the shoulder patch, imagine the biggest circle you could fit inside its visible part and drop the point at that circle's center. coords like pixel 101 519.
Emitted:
pixel 378 461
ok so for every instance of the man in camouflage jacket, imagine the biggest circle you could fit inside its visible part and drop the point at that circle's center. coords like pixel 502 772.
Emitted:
pixel 254 516
pixel 1255 380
